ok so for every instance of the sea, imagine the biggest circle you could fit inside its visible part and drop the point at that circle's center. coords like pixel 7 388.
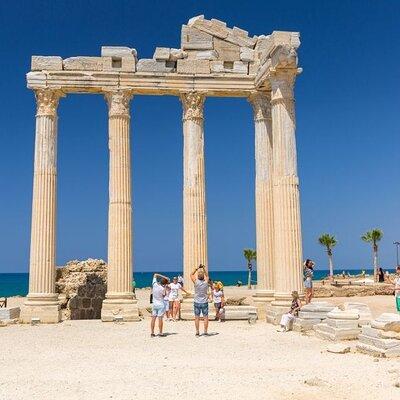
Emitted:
pixel 16 284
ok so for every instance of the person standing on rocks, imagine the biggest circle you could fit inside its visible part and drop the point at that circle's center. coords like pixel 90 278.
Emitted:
pixel 308 272
pixel 199 277
pixel 158 308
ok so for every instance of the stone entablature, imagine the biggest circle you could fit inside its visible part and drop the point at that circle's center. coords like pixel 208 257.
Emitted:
pixel 236 62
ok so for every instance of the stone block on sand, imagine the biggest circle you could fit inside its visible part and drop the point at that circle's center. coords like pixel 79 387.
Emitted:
pixel 338 348
pixel 9 313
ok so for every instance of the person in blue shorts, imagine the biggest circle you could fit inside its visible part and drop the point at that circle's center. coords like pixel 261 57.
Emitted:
pixel 158 308
pixel 199 277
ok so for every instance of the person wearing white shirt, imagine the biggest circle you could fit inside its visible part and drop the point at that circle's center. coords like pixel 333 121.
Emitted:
pixel 158 307
pixel 173 297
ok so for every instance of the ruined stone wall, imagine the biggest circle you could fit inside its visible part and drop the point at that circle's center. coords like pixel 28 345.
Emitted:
pixel 82 286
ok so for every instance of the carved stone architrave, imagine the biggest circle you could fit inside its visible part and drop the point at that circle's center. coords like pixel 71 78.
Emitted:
pixel 261 103
pixel 118 103
pixel 193 106
pixel 47 101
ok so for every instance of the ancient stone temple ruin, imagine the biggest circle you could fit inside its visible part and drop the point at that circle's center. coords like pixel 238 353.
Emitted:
pixel 213 60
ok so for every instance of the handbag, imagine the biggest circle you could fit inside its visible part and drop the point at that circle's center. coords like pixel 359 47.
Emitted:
pixel 398 303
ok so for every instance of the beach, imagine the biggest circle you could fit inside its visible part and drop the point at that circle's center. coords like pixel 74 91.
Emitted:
pixel 88 359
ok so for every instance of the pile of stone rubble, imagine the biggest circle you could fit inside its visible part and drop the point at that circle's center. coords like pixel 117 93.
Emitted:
pixel 344 322
pixel 312 314
pixel 382 338
pixel 207 47
pixel 82 286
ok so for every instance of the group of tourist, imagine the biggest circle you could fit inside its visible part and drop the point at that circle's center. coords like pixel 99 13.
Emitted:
pixel 308 274
pixel 165 299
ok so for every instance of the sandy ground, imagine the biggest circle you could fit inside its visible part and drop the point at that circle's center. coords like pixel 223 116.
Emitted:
pixel 94 360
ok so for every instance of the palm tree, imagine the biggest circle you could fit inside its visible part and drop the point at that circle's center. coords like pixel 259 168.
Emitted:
pixel 329 241
pixel 249 255
pixel 373 236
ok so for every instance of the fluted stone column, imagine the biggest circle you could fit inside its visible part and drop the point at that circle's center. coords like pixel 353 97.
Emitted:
pixel 42 300
pixel 287 224
pixel 261 102
pixel 194 203
pixel 120 300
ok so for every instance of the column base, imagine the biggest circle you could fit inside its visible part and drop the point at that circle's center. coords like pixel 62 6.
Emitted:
pixel 274 313
pixel 45 307
pixel 284 299
pixel 261 299
pixel 126 308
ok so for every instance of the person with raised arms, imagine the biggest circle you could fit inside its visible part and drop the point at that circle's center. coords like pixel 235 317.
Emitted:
pixel 158 309
pixel 199 277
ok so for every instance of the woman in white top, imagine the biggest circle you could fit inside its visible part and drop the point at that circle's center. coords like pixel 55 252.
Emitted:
pixel 173 297
pixel 218 300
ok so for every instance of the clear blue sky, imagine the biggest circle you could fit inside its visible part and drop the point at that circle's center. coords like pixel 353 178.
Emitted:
pixel 348 136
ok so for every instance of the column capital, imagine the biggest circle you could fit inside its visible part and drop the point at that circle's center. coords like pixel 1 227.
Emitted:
pixel 282 84
pixel 118 103
pixel 47 101
pixel 261 103
pixel 193 106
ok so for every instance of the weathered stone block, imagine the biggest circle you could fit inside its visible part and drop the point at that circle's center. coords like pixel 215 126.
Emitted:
pixel 239 312
pixel 246 54
pixel 338 323
pixel 378 352
pixel 217 66
pixel 240 40
pixel 193 66
pixel 84 63
pixel 338 348
pixel 226 51
pixel 378 342
pixel 254 67
pixel 9 313
pixel 48 314
pixel 340 314
pixel 240 32
pixel 193 39
pixel 203 55
pixel 126 64
pixel 325 331
pixel 240 67
pixel 177 54
pixel 318 306
pixel 162 53
pixel 213 27
pixel 46 63
pixel 303 325
pixel 117 51
pixel 312 314
pixel 150 65
pixel 384 319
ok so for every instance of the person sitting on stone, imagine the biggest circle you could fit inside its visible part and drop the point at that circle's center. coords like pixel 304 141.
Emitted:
pixel 287 319
pixel 158 308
